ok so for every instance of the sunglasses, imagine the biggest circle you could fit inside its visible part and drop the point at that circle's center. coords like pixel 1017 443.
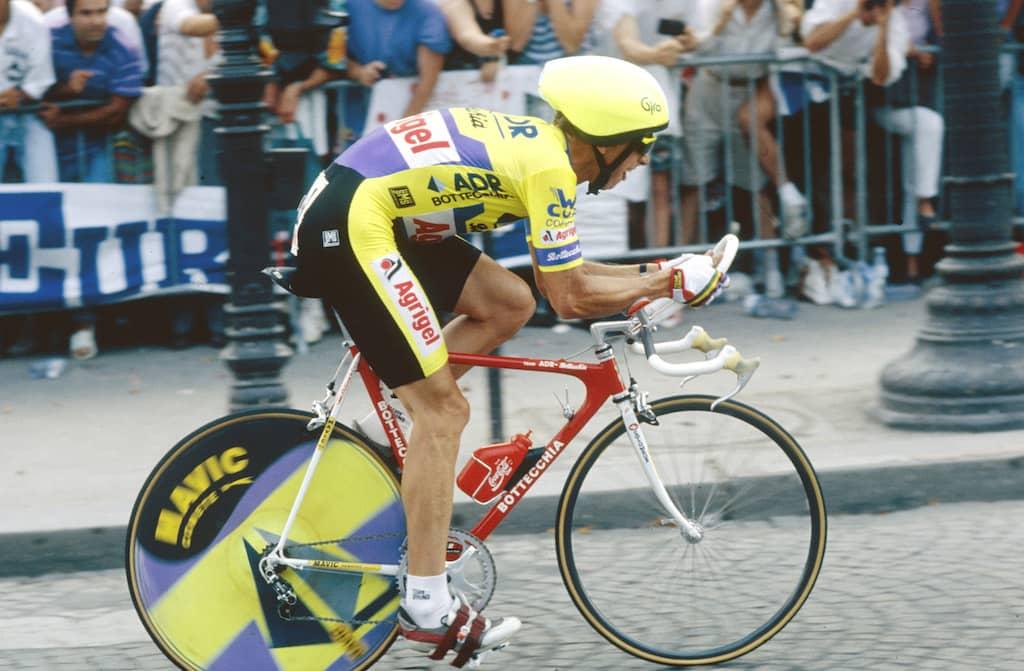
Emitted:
pixel 643 146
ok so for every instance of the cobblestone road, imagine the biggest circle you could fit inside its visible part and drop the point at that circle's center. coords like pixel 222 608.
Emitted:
pixel 938 587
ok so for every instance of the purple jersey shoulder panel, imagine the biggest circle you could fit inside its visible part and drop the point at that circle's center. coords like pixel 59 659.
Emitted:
pixel 374 155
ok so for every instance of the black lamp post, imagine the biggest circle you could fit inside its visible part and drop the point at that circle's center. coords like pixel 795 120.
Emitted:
pixel 966 371
pixel 255 328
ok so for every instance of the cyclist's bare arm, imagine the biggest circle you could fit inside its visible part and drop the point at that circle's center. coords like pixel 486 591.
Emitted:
pixel 597 289
pixel 613 270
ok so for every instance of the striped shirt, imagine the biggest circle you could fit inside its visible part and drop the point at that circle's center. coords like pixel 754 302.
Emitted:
pixel 116 68
pixel 544 45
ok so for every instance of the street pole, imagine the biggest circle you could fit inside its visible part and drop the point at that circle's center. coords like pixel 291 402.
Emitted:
pixel 255 331
pixel 966 371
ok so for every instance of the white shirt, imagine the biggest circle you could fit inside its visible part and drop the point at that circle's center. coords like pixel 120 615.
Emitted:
pixel 647 13
pixel 848 52
pixel 757 35
pixel 181 57
pixel 25 60
pixel 120 19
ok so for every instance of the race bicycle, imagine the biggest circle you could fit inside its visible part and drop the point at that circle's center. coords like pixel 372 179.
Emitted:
pixel 273 539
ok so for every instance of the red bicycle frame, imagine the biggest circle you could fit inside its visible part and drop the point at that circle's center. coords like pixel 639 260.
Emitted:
pixel 602 381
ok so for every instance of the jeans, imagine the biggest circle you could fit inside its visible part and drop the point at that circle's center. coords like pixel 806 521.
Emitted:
pixel 84 158
pixel 18 132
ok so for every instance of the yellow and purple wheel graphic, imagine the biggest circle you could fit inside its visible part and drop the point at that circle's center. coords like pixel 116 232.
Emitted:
pixel 215 504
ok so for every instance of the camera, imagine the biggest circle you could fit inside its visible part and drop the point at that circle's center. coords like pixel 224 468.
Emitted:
pixel 671 27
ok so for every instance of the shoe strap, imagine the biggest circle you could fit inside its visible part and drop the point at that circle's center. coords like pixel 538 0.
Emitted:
pixel 472 642
pixel 451 637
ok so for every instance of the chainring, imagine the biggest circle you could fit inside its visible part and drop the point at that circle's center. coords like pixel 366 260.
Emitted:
pixel 471 569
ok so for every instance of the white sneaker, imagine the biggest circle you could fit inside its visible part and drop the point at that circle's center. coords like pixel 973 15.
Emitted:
pixel 83 343
pixel 794 211
pixel 816 281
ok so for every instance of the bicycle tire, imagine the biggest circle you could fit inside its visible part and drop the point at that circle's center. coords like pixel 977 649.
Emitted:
pixel 596 525
pixel 217 499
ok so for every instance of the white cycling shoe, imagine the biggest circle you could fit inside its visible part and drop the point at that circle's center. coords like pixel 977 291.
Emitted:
pixel 463 630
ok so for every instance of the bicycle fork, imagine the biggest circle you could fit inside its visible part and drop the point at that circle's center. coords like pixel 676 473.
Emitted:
pixel 633 406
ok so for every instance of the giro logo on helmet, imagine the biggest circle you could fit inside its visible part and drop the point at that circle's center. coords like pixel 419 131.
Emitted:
pixel 649 106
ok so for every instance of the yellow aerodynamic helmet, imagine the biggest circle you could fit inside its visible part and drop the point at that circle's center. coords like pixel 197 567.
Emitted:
pixel 607 101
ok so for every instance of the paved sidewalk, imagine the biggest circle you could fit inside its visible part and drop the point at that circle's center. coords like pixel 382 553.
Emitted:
pixel 76 450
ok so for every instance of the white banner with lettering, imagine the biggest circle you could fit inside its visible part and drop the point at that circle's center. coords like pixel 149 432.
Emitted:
pixel 68 245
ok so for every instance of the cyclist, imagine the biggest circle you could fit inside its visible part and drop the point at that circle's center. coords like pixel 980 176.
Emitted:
pixel 378 236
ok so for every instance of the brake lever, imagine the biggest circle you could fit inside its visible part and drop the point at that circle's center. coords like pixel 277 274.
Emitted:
pixel 744 369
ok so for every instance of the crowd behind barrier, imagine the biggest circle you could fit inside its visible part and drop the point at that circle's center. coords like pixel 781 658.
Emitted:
pixel 851 152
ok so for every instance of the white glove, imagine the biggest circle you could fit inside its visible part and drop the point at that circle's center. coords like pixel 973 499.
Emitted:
pixel 695 281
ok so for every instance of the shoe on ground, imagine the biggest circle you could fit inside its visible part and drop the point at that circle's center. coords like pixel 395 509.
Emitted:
pixel 83 344
pixel 463 630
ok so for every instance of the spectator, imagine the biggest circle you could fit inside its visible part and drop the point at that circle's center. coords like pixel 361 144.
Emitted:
pixel 719 98
pixel 26 72
pixel 560 28
pixel 481 39
pixel 307 57
pixel 117 18
pixel 633 26
pixel 845 34
pixel 185 54
pixel 43 5
pixel 404 38
pixel 924 26
pixel 91 62
pixel 759 114
pixel 921 132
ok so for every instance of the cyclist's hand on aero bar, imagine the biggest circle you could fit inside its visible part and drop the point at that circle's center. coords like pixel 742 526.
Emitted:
pixel 695 281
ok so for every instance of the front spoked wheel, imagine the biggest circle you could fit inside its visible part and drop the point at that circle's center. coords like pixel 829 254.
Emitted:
pixel 654 594
pixel 214 507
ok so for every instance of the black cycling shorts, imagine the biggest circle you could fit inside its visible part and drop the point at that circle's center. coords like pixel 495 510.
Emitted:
pixel 384 287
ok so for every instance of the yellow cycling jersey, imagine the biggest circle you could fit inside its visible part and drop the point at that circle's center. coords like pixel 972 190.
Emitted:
pixel 465 170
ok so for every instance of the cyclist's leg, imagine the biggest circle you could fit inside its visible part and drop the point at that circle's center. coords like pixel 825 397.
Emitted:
pixel 495 303
pixel 440 413
pixel 385 291
pixel 492 303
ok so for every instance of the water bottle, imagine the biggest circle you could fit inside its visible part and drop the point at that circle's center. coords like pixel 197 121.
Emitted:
pixel 48 369
pixel 491 467
pixel 879 274
pixel 760 306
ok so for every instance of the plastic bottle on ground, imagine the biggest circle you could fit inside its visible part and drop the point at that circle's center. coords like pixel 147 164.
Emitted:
pixel 878 277
pixel 757 305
